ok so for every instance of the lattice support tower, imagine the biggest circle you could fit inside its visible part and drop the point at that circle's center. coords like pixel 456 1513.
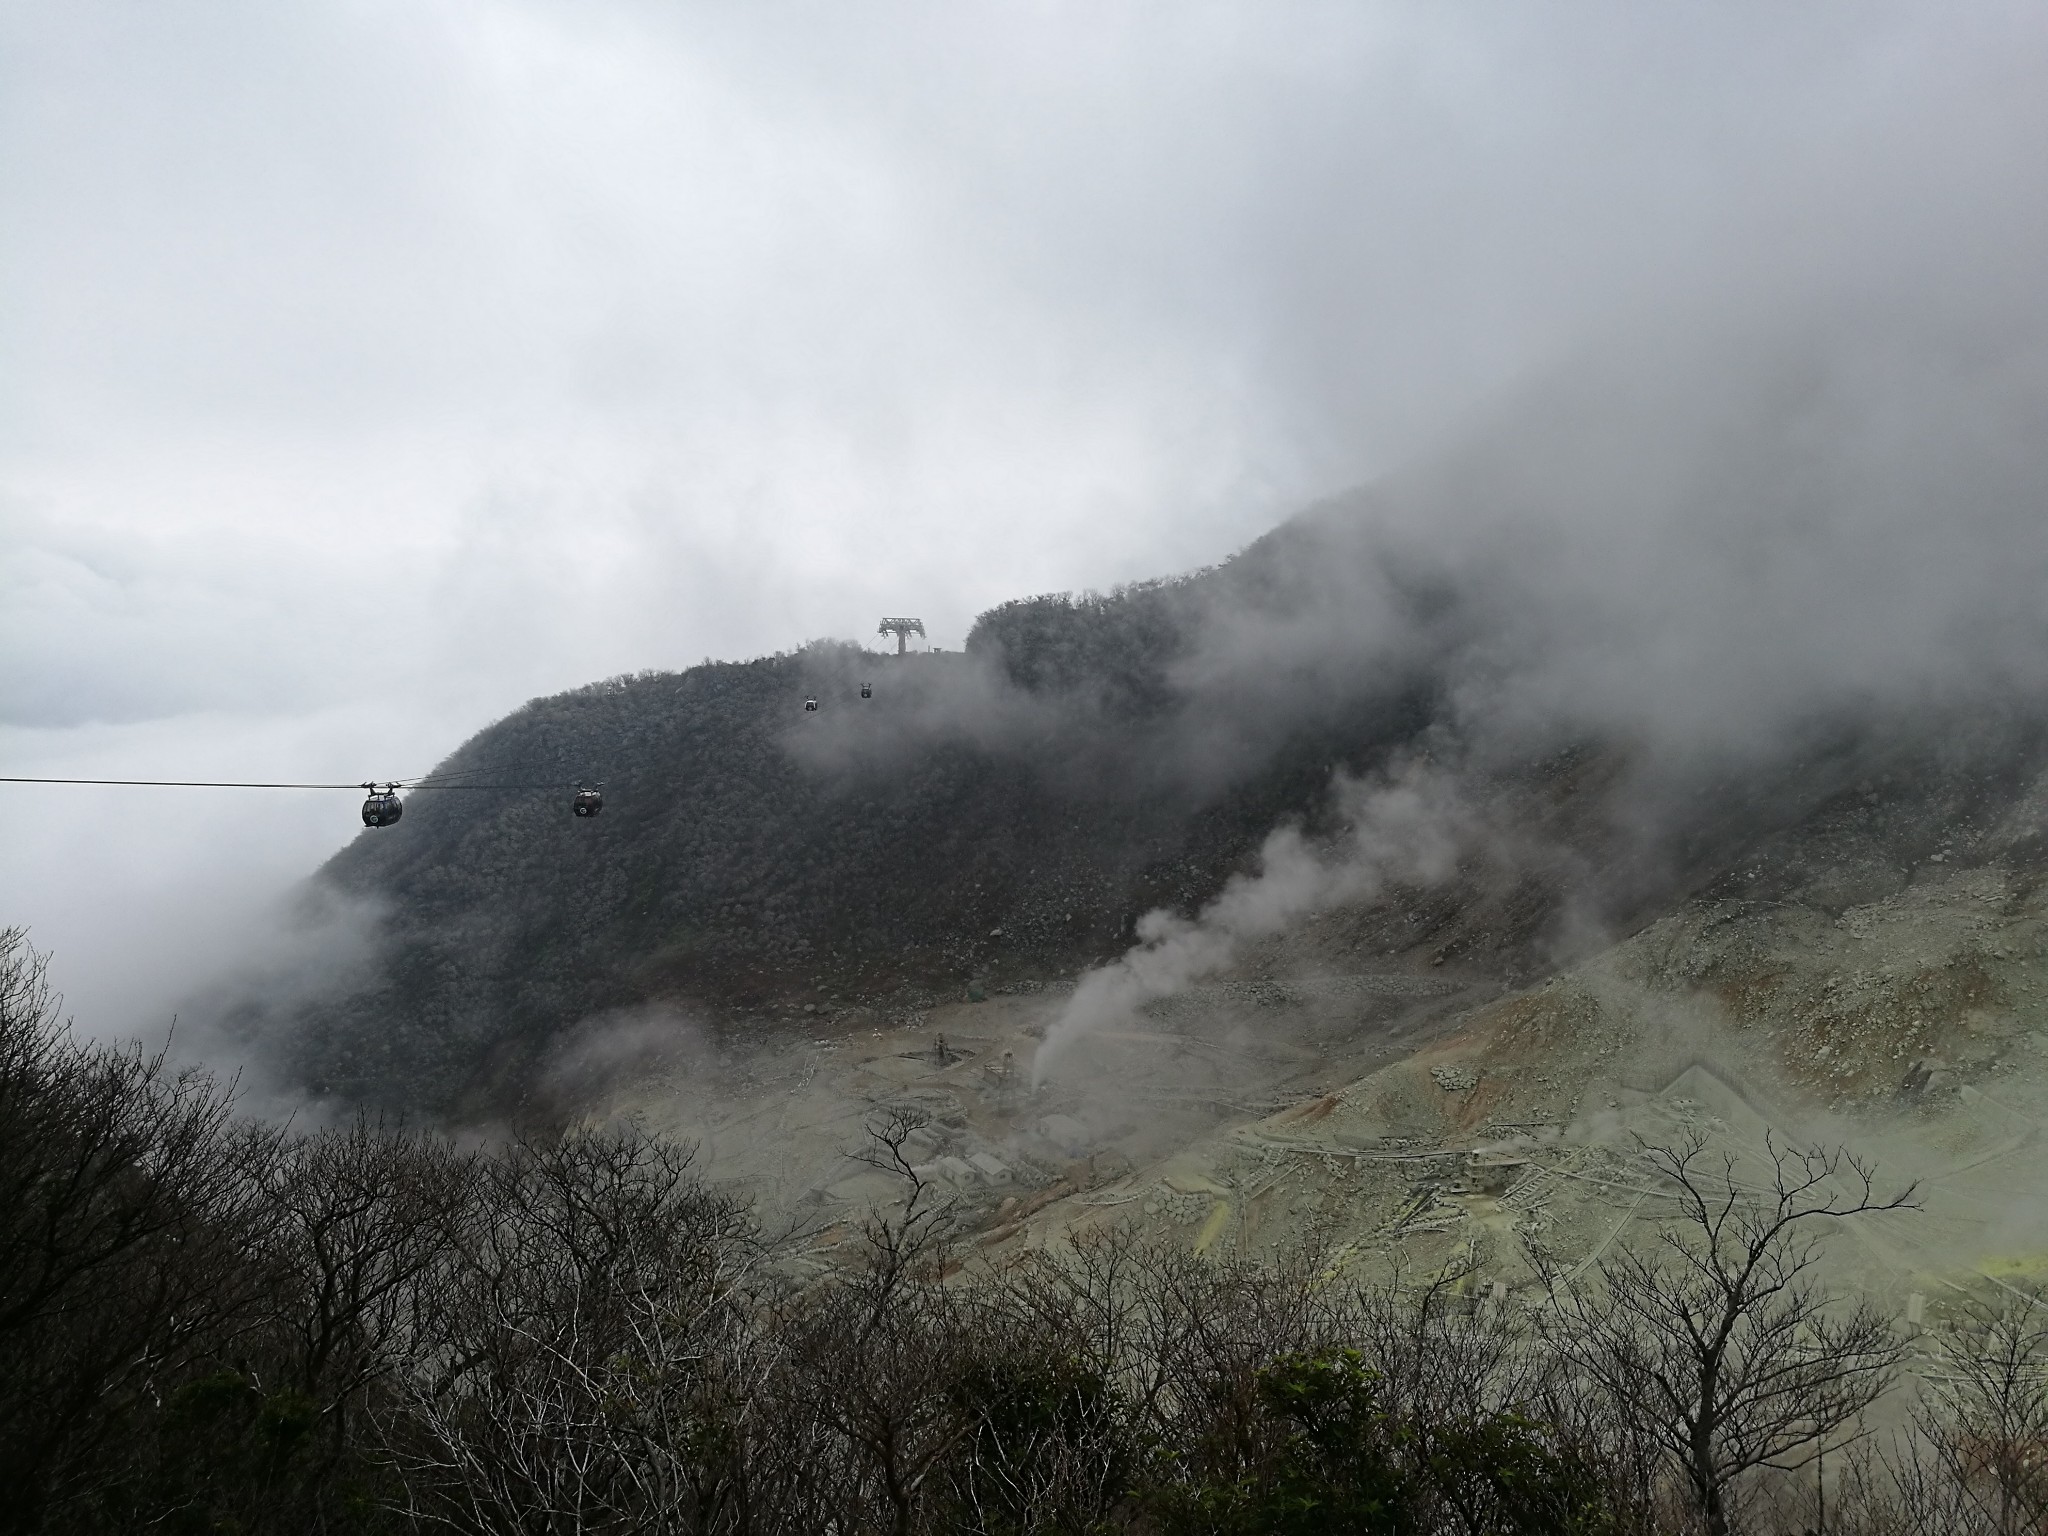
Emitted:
pixel 902 629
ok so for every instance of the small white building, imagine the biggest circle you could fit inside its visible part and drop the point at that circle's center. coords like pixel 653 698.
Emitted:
pixel 992 1169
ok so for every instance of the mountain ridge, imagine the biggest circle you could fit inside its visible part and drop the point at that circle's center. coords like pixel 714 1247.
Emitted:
pixel 1001 817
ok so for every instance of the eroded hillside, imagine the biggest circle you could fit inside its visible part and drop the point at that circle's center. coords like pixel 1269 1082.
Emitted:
pixel 1415 1109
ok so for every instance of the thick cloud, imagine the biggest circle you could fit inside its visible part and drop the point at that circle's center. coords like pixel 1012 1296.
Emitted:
pixel 387 366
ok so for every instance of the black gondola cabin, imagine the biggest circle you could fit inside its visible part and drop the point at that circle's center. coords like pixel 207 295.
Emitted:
pixel 382 809
pixel 588 802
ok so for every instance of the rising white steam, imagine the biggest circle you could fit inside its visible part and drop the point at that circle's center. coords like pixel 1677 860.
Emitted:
pixel 1408 828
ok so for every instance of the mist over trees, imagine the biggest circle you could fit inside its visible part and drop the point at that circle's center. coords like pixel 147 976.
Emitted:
pixel 208 1324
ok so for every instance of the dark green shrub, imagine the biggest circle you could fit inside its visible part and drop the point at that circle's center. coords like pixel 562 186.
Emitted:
pixel 1331 1461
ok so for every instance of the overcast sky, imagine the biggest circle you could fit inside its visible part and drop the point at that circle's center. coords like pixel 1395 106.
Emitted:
pixel 372 366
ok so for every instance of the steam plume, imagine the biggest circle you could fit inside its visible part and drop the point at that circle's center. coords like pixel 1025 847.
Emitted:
pixel 1408 828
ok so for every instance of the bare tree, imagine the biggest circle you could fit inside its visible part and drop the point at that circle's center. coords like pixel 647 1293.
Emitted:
pixel 575 1346
pixel 901 1245
pixel 1985 1415
pixel 1717 1335
pixel 129 1203
pixel 880 1345
pixel 363 1212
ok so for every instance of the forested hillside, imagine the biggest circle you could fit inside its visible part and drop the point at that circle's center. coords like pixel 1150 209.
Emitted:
pixel 989 817
pixel 1002 816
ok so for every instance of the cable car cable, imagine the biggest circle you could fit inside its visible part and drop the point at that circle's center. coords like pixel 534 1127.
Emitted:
pixel 561 784
pixel 183 783
pixel 242 784
pixel 383 808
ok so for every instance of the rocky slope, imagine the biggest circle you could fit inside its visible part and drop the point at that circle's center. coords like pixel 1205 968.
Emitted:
pixel 1875 975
